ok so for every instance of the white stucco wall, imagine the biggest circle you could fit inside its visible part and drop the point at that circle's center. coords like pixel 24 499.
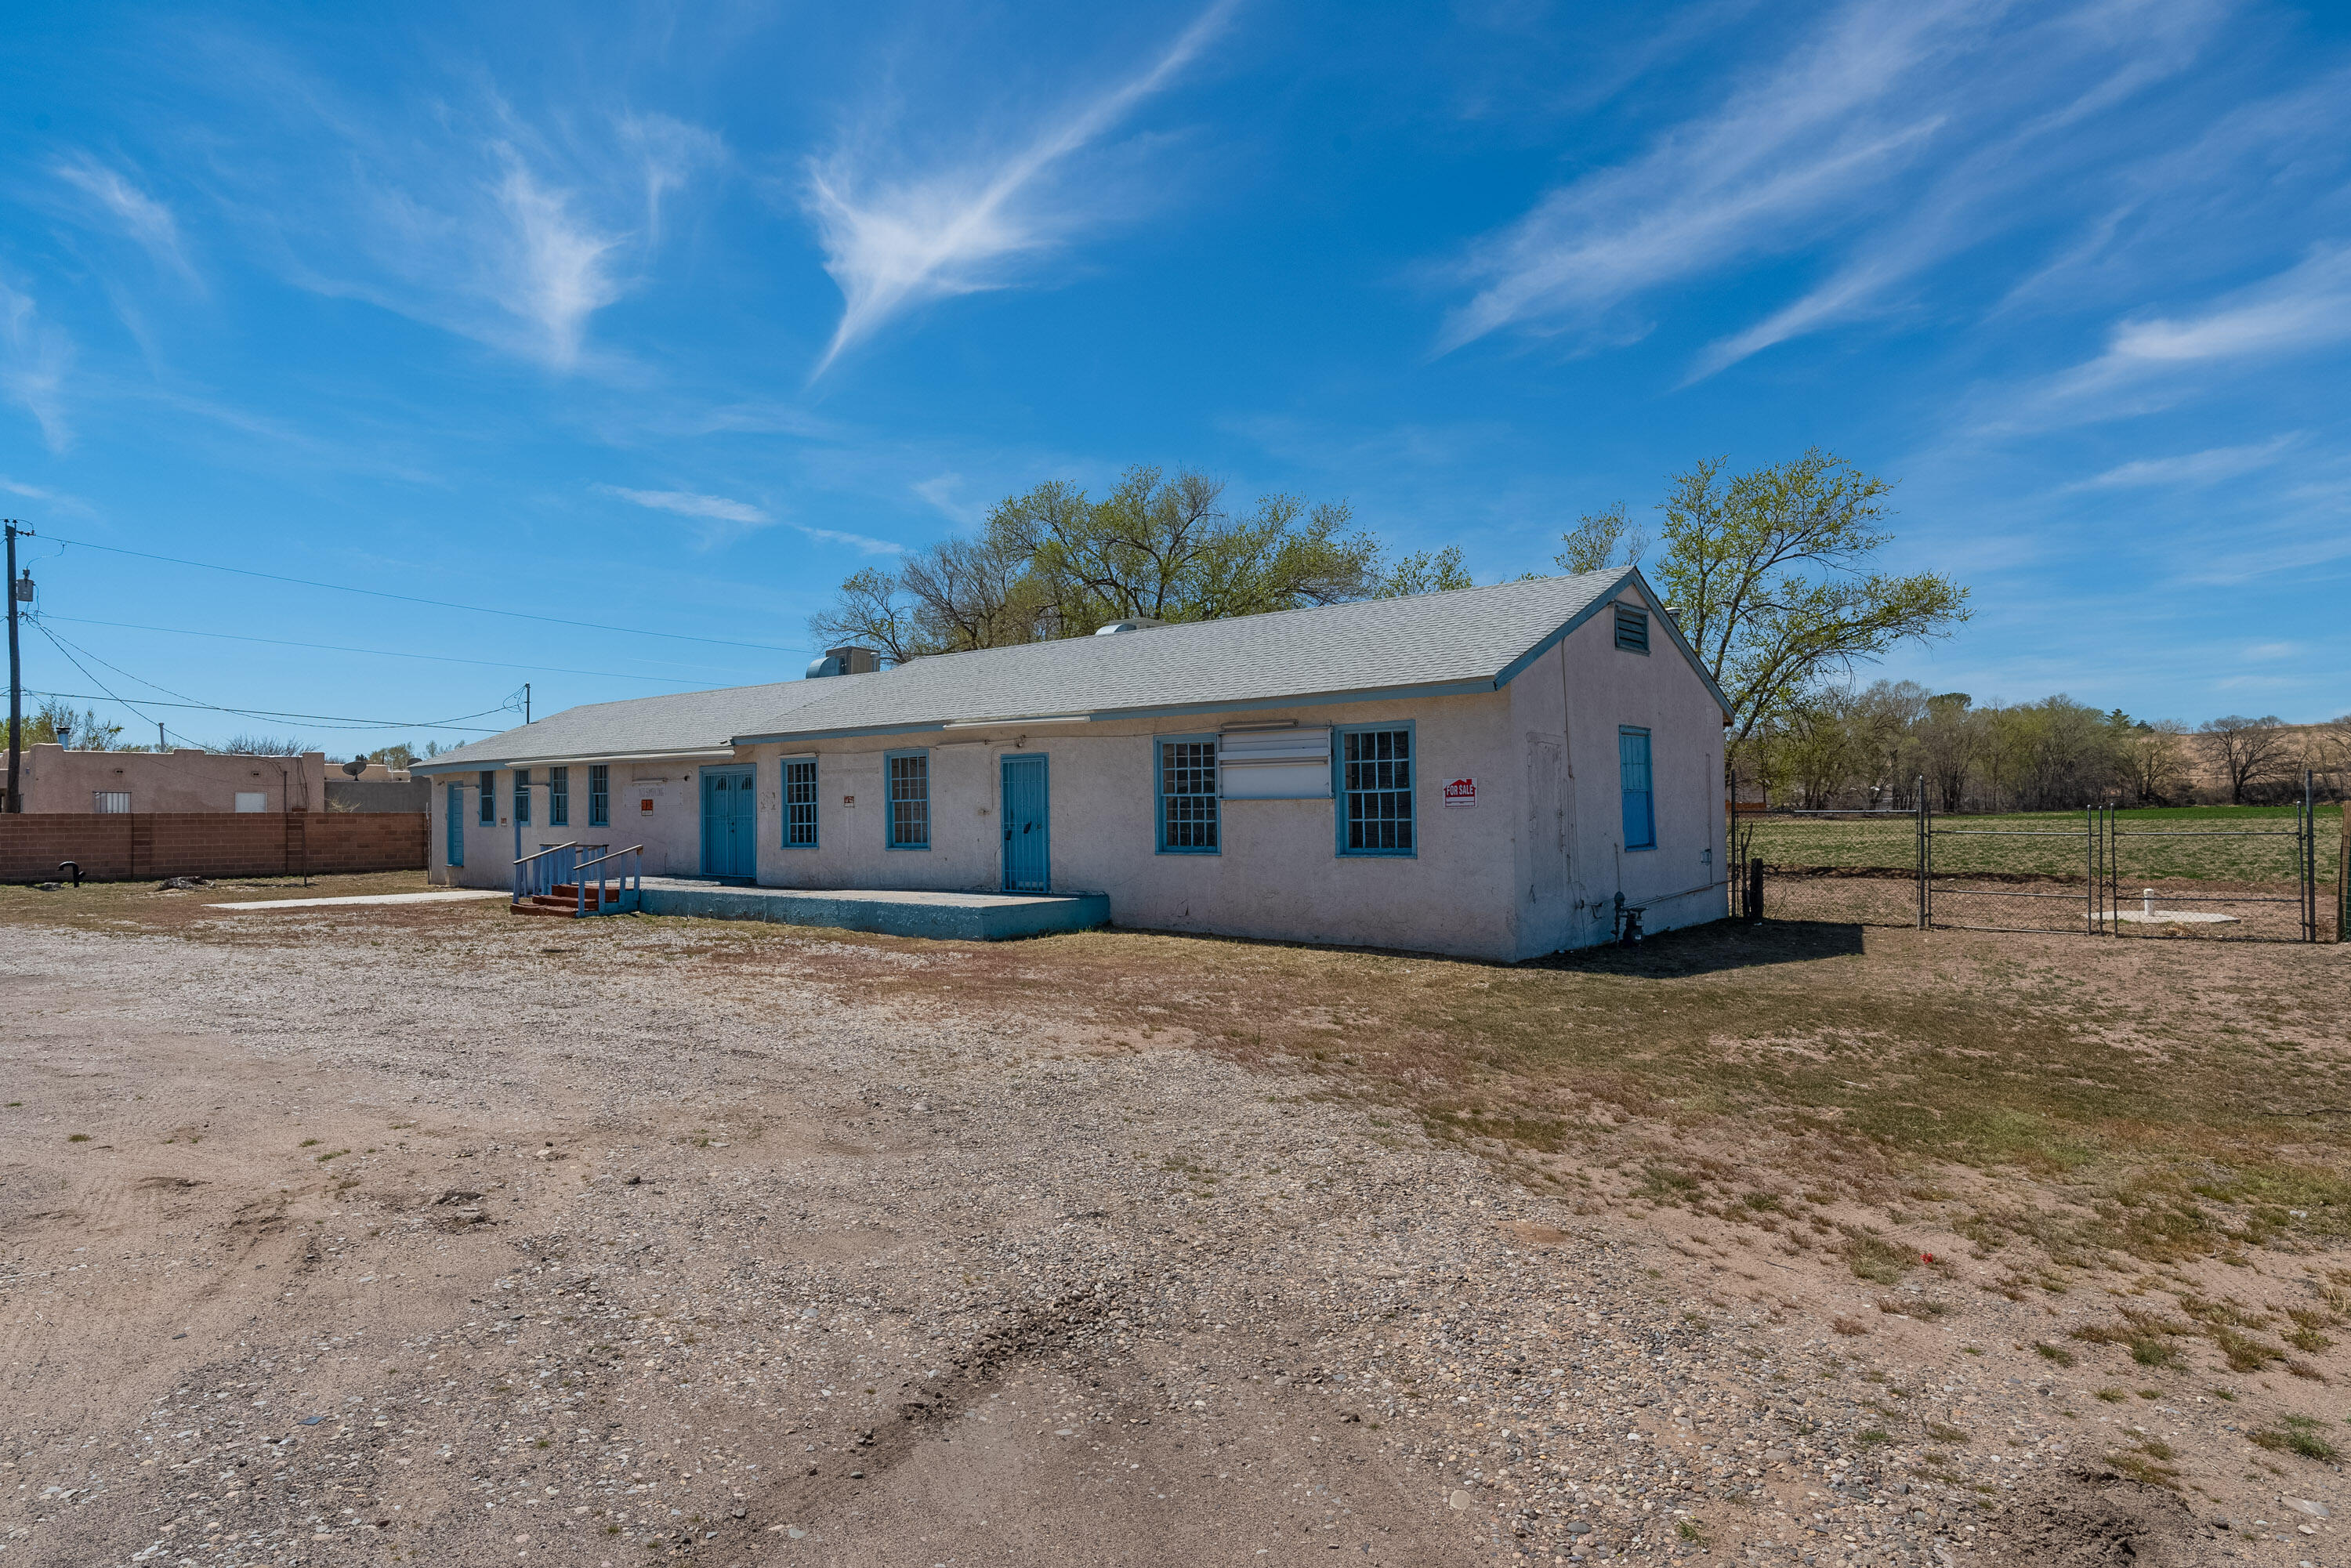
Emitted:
pixel 671 831
pixel 1278 872
pixel 1534 866
pixel 1571 706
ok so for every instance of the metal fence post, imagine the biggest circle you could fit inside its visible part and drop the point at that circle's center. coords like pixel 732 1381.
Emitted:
pixel 1755 888
pixel 1922 851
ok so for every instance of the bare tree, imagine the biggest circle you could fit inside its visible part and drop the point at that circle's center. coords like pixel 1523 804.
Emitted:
pixel 1600 540
pixel 2249 750
pixel 2155 762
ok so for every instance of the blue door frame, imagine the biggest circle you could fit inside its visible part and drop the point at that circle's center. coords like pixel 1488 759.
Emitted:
pixel 1028 826
pixel 729 835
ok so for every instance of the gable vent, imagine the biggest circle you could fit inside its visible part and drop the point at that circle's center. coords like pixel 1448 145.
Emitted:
pixel 1632 629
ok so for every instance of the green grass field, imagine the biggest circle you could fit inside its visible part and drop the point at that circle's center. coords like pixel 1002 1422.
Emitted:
pixel 2195 843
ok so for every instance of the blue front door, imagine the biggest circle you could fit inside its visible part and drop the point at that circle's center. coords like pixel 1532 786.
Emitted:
pixel 1027 863
pixel 728 839
pixel 457 828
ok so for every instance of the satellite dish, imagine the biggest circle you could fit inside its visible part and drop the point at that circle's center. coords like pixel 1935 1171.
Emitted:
pixel 356 766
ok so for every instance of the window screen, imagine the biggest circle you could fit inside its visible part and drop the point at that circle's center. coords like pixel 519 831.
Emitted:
pixel 559 796
pixel 1632 629
pixel 799 802
pixel 110 802
pixel 1375 791
pixel 910 802
pixel 1640 809
pixel 599 796
pixel 1187 796
pixel 249 800
pixel 522 795
pixel 489 796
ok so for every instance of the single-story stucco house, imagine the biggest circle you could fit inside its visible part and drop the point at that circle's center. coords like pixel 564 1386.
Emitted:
pixel 1492 773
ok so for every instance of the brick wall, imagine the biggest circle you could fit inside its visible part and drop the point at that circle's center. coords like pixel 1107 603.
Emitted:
pixel 140 845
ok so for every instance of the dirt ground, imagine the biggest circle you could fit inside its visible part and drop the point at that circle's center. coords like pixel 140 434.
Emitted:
pixel 421 1233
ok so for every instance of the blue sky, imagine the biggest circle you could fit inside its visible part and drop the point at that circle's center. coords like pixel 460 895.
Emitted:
pixel 668 318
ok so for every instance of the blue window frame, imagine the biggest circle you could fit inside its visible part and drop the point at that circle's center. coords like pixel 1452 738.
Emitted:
pixel 1640 800
pixel 1186 784
pixel 559 796
pixel 909 821
pixel 799 803
pixel 522 796
pixel 599 796
pixel 489 788
pixel 1374 790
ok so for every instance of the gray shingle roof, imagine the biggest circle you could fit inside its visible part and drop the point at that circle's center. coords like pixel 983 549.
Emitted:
pixel 1467 639
pixel 640 727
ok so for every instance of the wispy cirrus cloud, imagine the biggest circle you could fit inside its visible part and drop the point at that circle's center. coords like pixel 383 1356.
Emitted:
pixel 140 215
pixel 35 354
pixel 1893 139
pixel 725 520
pixel 2190 469
pixel 466 212
pixel 1783 156
pixel 894 241
pixel 2303 309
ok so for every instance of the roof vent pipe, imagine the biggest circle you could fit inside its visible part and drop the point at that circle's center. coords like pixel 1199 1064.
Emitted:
pixel 850 660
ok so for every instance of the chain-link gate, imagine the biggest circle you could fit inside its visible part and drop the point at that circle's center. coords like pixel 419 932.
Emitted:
pixel 2097 872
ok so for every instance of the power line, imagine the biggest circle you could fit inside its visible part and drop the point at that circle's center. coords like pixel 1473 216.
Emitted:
pixel 375 653
pixel 69 649
pixel 344 719
pixel 435 603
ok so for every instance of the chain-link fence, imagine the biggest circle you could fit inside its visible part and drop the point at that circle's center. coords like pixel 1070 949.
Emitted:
pixel 1851 867
pixel 2275 874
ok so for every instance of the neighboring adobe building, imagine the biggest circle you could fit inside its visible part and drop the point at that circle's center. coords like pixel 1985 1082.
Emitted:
pixel 1494 772
pixel 58 780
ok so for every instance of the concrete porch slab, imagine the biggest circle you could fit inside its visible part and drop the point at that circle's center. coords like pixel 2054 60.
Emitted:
pixel 440 896
pixel 949 916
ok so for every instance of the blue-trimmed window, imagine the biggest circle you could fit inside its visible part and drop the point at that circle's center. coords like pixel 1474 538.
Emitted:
pixel 559 796
pixel 599 796
pixel 522 796
pixel 1187 795
pixel 910 798
pixel 799 802
pixel 1640 798
pixel 1374 791
pixel 489 797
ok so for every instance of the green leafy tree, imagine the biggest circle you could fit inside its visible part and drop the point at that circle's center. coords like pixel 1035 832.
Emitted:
pixel 1767 575
pixel 1054 562
pixel 83 728
pixel 1429 572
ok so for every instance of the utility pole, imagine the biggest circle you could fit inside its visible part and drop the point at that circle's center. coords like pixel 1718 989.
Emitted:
pixel 19 592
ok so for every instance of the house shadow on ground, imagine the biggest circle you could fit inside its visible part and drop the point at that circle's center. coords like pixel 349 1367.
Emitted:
pixel 1708 950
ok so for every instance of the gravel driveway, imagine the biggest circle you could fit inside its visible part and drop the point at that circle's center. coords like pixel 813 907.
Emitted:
pixel 439 1238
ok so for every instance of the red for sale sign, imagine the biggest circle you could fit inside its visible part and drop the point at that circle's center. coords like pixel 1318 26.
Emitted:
pixel 1461 792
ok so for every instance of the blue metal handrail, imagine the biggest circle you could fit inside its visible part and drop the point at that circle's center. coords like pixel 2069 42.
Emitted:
pixel 629 877
pixel 539 874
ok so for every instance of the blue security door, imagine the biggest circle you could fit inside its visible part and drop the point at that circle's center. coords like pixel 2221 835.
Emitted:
pixel 728 837
pixel 1028 862
pixel 456 826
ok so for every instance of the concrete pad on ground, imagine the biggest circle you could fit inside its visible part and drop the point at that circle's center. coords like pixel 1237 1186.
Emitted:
pixel 439 896
pixel 953 917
